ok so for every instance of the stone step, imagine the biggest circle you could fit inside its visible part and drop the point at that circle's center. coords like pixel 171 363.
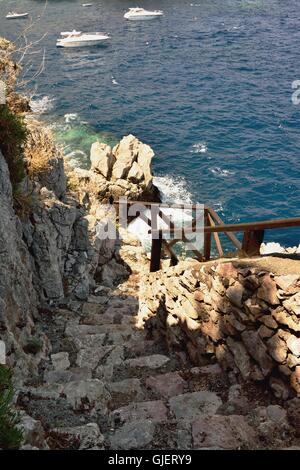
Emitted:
pixel 155 410
pixel 125 392
pixel 143 366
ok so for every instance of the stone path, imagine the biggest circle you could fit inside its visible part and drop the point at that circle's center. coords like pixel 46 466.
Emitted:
pixel 108 385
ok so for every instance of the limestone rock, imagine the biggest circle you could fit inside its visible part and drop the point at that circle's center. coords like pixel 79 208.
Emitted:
pixel 87 394
pixel 293 343
pixel 279 388
pixel 189 406
pixel 135 174
pixel 295 380
pixel 144 160
pixel 88 436
pixel 33 432
pixel 126 390
pixel 156 361
pixel 102 159
pixel 241 357
pixel 224 432
pixel 258 351
pixel 166 385
pixel 60 360
pixel 235 294
pixel 277 348
pixel 293 304
pixel 268 290
pixel 136 435
pixel 126 153
pixel 156 411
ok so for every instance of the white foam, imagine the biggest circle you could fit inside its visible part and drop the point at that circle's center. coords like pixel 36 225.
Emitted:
pixel 75 158
pixel 70 117
pixel 173 189
pixel 41 105
pixel 217 171
pixel 200 147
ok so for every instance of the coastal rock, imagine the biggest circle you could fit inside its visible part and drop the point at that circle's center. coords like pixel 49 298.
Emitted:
pixel 135 174
pixel 126 153
pixel 102 159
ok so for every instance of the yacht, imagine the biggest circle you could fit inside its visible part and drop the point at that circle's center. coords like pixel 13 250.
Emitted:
pixel 79 39
pixel 12 15
pixel 136 14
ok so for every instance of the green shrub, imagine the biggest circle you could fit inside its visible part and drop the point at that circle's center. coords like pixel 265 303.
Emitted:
pixel 33 345
pixel 11 434
pixel 13 136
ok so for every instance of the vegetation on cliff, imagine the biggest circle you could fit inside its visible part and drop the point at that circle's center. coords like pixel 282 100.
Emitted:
pixel 11 434
pixel 13 136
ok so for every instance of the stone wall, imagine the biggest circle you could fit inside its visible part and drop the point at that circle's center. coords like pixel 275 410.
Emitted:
pixel 246 318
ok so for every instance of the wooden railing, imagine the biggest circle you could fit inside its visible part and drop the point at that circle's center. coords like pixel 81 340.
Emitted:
pixel 253 232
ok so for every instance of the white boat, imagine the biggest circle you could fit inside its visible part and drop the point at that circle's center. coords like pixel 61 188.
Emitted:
pixel 137 14
pixel 79 39
pixel 86 4
pixel 12 15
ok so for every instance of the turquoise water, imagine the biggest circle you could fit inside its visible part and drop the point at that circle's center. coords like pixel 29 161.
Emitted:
pixel 208 86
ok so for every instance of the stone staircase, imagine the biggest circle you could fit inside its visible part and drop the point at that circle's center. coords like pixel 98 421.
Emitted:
pixel 108 386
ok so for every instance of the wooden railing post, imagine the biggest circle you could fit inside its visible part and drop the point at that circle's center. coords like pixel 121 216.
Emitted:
pixel 251 242
pixel 156 251
pixel 207 236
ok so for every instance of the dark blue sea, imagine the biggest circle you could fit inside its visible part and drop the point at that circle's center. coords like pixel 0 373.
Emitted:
pixel 208 86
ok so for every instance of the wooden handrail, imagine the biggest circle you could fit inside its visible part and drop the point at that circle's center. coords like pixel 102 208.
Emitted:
pixel 243 227
pixel 213 224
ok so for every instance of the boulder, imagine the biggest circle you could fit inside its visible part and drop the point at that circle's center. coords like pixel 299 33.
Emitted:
pixel 102 159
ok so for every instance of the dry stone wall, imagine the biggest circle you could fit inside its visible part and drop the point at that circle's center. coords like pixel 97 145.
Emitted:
pixel 246 318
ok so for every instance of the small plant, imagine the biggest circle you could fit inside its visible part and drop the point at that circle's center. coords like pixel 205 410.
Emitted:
pixel 13 136
pixel 34 345
pixel 40 150
pixel 11 435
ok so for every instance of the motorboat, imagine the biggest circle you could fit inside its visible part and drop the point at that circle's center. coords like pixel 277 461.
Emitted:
pixel 86 4
pixel 13 15
pixel 136 14
pixel 79 39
